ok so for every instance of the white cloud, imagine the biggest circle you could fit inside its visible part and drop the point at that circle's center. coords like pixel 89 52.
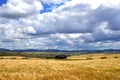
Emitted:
pixel 6 32
pixel 20 8
pixel 54 1
pixel 77 24
pixel 96 3
pixel 29 30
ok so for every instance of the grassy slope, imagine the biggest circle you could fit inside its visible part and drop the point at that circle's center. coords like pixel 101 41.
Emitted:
pixel 74 68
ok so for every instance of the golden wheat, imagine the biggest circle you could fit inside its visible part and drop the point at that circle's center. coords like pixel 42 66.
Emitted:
pixel 70 69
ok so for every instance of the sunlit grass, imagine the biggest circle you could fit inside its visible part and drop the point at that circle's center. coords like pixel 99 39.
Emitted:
pixel 74 68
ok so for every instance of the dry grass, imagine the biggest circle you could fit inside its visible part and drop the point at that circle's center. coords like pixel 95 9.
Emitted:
pixel 95 56
pixel 71 69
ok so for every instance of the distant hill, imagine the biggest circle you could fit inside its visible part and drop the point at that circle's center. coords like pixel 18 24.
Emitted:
pixel 2 50
pixel 51 53
pixel 55 50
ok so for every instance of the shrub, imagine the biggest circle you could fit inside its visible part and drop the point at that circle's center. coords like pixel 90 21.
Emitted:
pixel 2 58
pixel 89 58
pixel 61 56
pixel 25 58
pixel 103 57
pixel 116 57
pixel 49 57
pixel 13 58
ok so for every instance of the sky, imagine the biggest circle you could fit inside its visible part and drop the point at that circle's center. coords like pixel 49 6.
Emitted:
pixel 60 24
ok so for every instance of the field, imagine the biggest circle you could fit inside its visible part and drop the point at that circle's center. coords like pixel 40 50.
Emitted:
pixel 82 67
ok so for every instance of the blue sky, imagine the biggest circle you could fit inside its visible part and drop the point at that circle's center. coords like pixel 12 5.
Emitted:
pixel 2 2
pixel 60 24
pixel 49 7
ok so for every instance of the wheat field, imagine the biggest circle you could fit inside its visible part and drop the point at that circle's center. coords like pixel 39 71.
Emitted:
pixel 73 68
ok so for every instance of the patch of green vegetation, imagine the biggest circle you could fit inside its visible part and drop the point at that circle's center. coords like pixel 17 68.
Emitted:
pixel 61 56
pixel 9 53
pixel 19 54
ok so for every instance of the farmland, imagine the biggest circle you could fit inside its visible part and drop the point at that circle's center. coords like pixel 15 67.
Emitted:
pixel 80 67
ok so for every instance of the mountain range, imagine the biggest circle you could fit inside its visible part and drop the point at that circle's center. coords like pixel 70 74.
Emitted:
pixel 57 50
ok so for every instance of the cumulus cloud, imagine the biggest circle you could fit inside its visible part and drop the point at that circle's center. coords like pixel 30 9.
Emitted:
pixel 77 19
pixel 77 24
pixel 29 30
pixel 53 1
pixel 20 8
pixel 5 32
